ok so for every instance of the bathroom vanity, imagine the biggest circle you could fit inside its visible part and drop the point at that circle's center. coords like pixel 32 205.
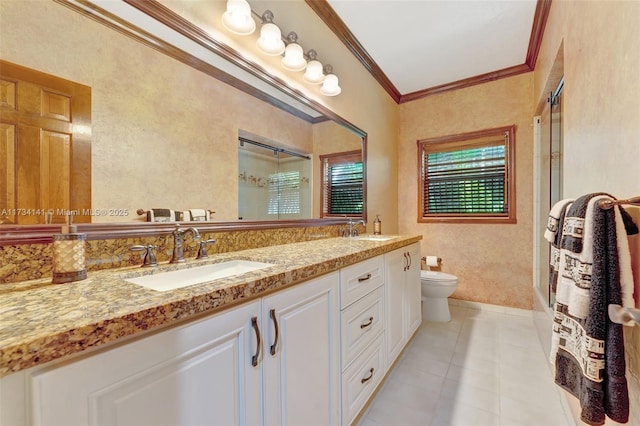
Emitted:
pixel 308 339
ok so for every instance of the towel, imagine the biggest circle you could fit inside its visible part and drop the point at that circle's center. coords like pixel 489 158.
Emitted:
pixel 196 215
pixel 162 215
pixel 551 234
pixel 593 271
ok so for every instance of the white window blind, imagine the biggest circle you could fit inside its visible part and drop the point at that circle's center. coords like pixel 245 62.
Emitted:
pixel 284 193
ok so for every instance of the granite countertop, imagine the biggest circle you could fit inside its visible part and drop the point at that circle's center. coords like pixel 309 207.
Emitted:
pixel 41 322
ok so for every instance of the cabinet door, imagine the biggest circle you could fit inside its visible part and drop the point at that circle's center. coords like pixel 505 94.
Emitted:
pixel 413 290
pixel 199 373
pixel 302 371
pixel 395 263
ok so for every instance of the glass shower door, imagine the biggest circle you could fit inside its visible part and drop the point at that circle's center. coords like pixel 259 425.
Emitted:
pixel 550 179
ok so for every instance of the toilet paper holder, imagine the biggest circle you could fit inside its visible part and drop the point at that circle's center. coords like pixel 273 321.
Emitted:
pixel 438 259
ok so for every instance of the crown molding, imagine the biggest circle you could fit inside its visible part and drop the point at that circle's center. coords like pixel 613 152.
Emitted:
pixel 339 28
pixel 337 25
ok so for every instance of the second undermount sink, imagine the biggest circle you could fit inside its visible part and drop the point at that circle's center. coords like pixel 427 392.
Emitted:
pixel 171 280
pixel 375 237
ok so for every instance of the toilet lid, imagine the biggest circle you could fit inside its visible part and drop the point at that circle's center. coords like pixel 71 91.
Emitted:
pixel 442 277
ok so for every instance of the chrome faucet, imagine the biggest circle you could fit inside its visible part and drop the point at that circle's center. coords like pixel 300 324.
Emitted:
pixel 178 239
pixel 352 231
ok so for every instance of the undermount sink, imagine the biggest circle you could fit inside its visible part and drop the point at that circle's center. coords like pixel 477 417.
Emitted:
pixel 171 280
pixel 375 237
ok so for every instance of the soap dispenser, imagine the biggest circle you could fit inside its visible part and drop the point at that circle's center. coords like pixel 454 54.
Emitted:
pixel 377 226
pixel 68 254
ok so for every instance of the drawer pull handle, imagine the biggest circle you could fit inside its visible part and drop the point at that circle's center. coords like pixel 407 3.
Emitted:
pixel 365 278
pixel 272 313
pixel 254 324
pixel 366 379
pixel 367 324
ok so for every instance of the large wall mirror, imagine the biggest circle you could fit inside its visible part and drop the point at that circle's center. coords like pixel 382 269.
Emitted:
pixel 165 122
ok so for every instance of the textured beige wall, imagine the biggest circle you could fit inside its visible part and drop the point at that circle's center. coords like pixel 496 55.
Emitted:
pixel 492 262
pixel 602 82
pixel 163 134
pixel 601 114
pixel 329 138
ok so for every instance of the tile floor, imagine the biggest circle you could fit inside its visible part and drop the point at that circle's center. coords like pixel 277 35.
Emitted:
pixel 483 368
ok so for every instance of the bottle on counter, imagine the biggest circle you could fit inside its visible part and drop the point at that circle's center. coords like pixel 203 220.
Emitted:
pixel 377 226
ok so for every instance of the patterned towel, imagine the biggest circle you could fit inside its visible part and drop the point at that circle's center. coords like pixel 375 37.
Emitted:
pixel 162 215
pixel 551 234
pixel 593 270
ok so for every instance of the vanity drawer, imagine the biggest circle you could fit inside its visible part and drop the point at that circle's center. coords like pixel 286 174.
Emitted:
pixel 361 323
pixel 361 378
pixel 359 279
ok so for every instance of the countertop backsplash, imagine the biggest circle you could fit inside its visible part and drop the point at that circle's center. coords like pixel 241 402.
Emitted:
pixel 34 261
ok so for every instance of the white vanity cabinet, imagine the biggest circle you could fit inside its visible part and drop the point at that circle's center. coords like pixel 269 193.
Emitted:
pixel 198 373
pixel 362 334
pixel 220 370
pixel 313 353
pixel 301 362
pixel 402 297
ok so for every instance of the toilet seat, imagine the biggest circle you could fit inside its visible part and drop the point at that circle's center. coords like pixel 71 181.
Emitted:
pixel 438 278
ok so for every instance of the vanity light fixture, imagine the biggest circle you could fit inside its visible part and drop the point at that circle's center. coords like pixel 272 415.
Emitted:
pixel 313 74
pixel 270 41
pixel 237 18
pixel 293 54
pixel 330 86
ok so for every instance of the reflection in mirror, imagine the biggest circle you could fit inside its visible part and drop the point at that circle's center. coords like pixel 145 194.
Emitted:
pixel 273 181
pixel 164 122
pixel 342 184
pixel 45 147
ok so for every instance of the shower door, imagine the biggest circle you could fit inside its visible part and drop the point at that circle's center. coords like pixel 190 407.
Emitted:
pixel 550 187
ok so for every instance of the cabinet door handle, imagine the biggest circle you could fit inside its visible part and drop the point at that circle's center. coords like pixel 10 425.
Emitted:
pixel 409 265
pixel 272 314
pixel 367 324
pixel 254 324
pixel 365 278
pixel 406 261
pixel 366 379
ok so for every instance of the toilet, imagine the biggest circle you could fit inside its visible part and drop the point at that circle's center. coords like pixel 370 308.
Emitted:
pixel 436 288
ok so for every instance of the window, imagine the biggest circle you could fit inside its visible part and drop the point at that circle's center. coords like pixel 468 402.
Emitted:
pixel 342 191
pixel 468 177
pixel 284 193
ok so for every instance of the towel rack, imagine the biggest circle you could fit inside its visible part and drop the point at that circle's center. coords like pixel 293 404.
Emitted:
pixel 143 211
pixel 624 316
pixel 608 204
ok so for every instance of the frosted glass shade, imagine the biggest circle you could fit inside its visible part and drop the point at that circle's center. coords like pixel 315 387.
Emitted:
pixel 330 86
pixel 270 41
pixel 294 58
pixel 314 73
pixel 237 19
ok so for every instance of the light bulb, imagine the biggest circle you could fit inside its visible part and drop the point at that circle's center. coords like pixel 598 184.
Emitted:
pixel 330 86
pixel 237 18
pixel 294 57
pixel 314 73
pixel 270 41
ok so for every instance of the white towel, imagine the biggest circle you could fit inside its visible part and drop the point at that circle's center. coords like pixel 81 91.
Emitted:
pixel 197 215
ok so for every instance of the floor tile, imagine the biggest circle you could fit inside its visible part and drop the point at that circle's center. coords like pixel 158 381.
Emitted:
pixel 482 368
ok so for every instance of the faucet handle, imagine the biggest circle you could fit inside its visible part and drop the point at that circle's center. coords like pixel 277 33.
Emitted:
pixel 149 254
pixel 202 248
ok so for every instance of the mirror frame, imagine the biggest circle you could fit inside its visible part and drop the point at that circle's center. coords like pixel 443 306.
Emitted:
pixel 42 234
